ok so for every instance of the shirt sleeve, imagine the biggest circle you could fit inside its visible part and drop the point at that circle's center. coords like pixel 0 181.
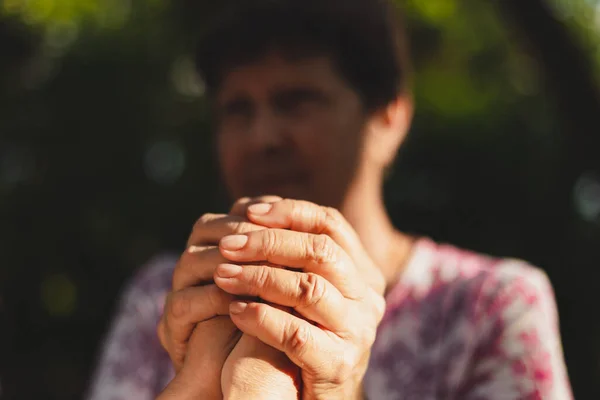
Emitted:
pixel 131 363
pixel 519 353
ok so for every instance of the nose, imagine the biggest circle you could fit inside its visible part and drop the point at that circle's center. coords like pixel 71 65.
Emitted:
pixel 266 131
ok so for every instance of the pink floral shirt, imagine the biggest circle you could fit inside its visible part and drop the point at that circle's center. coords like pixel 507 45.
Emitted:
pixel 458 325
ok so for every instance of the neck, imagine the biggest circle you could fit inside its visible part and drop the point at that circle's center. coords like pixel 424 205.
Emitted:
pixel 365 210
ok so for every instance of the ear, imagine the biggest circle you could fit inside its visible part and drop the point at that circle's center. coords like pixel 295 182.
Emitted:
pixel 387 129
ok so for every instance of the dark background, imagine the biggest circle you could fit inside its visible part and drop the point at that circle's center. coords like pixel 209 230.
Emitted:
pixel 105 161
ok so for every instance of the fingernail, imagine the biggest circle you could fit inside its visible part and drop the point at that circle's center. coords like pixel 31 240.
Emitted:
pixel 237 307
pixel 260 209
pixel 195 249
pixel 234 242
pixel 228 270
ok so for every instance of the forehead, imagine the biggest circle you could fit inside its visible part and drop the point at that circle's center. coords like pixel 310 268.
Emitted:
pixel 275 72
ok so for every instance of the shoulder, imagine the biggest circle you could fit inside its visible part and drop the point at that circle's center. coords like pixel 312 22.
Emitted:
pixel 474 320
pixel 460 296
pixel 438 271
pixel 461 299
pixel 155 274
pixel 141 305
pixel 150 284
pixel 131 363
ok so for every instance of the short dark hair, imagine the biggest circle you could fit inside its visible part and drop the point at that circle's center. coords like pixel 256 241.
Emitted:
pixel 364 38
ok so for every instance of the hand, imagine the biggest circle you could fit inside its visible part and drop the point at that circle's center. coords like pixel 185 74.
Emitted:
pixel 331 292
pixel 198 334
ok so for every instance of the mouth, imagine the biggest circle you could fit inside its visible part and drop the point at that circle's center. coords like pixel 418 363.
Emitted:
pixel 285 185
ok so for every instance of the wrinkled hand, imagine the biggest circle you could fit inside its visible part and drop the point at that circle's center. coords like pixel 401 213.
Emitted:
pixel 210 355
pixel 330 282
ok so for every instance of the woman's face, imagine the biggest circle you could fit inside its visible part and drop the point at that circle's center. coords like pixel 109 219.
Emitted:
pixel 289 128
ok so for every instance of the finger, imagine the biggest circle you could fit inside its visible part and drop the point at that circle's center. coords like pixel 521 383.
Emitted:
pixel 307 346
pixel 195 375
pixel 309 294
pixel 318 254
pixel 240 207
pixel 196 266
pixel 186 308
pixel 303 216
pixel 205 350
pixel 210 228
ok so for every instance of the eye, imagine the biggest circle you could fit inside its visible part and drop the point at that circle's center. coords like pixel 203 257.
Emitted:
pixel 297 101
pixel 236 108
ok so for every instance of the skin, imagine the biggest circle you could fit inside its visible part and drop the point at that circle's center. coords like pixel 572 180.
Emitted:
pixel 303 118
pixel 195 299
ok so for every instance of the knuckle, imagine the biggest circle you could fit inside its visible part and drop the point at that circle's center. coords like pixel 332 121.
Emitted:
pixel 184 259
pixel 311 289
pixel 368 336
pixel 166 316
pixel 205 219
pixel 180 305
pixel 307 213
pixel 242 201
pixel 378 284
pixel 187 266
pixel 270 241
pixel 177 356
pixel 238 226
pixel 298 340
pixel 261 278
pixel 217 299
pixel 201 226
pixel 260 313
pixel 332 219
pixel 296 207
pixel 323 249
pixel 180 271
pixel 160 332
pixel 380 307
pixel 237 208
pixel 214 297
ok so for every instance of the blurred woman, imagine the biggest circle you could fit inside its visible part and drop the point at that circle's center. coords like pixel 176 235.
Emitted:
pixel 311 102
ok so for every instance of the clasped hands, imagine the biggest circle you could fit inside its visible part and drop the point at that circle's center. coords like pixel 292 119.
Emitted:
pixel 277 299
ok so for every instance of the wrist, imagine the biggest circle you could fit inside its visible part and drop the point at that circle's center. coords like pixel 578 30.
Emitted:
pixel 183 387
pixel 259 372
pixel 360 393
pixel 280 388
pixel 284 393
pixel 346 391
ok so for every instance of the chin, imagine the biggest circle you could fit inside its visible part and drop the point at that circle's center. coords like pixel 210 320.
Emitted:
pixel 288 191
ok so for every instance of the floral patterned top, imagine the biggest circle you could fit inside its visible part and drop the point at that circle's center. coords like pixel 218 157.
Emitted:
pixel 458 325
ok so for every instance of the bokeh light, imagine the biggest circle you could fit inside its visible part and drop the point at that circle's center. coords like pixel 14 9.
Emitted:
pixel 101 13
pixel 587 197
pixel 185 79
pixel 164 162
pixel 17 164
pixel 60 36
pixel 59 295
pixel 524 76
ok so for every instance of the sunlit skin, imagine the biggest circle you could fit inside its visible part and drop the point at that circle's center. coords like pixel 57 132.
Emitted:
pixel 296 129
